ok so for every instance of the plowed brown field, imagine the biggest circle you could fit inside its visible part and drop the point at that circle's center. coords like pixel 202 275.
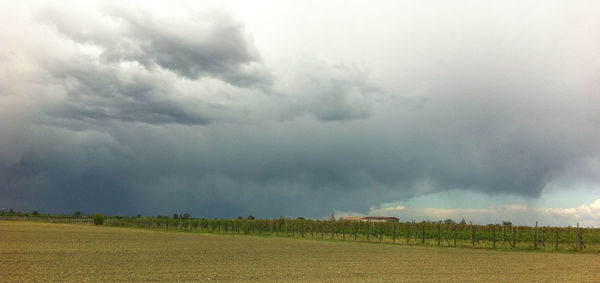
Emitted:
pixel 63 252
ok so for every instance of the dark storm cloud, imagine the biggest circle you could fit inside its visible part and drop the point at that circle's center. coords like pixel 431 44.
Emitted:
pixel 132 115
pixel 101 93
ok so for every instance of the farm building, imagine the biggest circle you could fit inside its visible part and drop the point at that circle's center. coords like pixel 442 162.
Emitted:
pixel 379 219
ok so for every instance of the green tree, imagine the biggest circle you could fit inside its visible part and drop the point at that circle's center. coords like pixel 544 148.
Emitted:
pixel 77 214
pixel 186 216
pixel 98 219
pixel 449 221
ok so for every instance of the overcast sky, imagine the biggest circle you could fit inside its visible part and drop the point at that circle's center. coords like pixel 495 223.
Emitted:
pixel 487 110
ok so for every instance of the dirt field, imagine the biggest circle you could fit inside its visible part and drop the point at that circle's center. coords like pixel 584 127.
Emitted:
pixel 64 252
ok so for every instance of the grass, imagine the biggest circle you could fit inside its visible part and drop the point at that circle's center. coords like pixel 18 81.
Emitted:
pixel 32 251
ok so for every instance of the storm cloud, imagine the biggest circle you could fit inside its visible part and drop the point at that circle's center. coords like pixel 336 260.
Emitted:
pixel 171 108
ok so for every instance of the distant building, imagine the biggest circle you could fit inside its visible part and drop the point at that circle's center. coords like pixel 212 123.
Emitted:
pixel 379 219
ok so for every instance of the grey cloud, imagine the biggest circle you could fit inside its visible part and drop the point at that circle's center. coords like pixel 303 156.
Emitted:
pixel 326 139
pixel 98 93
pixel 196 45
pixel 329 92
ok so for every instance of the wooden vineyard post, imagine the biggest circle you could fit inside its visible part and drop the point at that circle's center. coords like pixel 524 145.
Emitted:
pixel 302 227
pixel 514 237
pixel 455 235
pixel 332 228
pixel 503 235
pixel 286 227
pixel 407 233
pixel 355 230
pixel 343 230
pixel 276 231
pixel 394 232
pixel 556 243
pixel 577 236
pixel 580 244
pixel 368 230
pixel 536 235
pixel 381 232
pixel 494 242
pixel 472 233
pixel 439 234
pixel 423 238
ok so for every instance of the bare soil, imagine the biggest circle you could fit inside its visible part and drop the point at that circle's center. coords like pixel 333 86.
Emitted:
pixel 84 253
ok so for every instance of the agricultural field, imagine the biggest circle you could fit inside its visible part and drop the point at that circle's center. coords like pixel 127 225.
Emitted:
pixel 32 251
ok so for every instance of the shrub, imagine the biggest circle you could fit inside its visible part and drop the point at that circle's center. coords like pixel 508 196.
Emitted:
pixel 98 219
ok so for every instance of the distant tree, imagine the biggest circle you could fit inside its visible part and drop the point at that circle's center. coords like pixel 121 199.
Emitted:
pixel 175 216
pixel 77 214
pixel 463 222
pixel 250 217
pixel 239 218
pixel 139 215
pixel 35 212
pixel 300 218
pixel 449 221
pixel 186 216
pixel 11 211
pixel 98 219
pixel 506 223
pixel 332 217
